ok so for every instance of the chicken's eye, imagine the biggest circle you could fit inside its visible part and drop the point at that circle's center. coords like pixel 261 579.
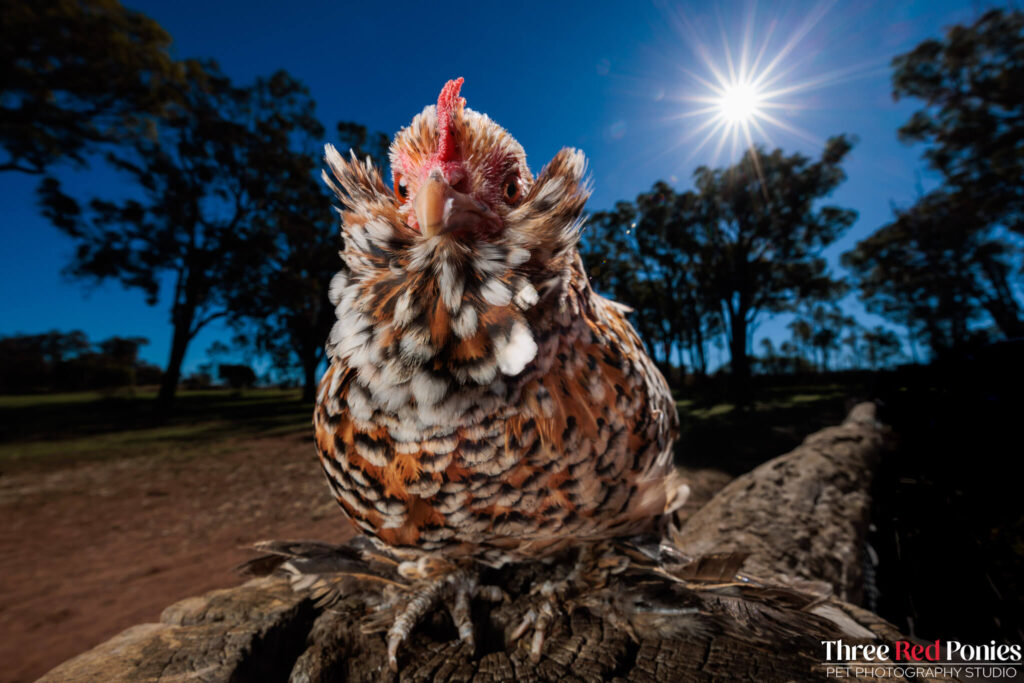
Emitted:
pixel 401 189
pixel 511 190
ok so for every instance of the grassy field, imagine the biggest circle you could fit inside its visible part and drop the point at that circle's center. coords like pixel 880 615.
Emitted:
pixel 726 437
pixel 57 429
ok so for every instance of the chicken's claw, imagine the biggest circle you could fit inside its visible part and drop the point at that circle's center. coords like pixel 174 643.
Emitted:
pixel 454 589
pixel 580 587
pixel 539 617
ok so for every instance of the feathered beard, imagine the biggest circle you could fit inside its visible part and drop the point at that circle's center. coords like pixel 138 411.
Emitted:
pixel 423 320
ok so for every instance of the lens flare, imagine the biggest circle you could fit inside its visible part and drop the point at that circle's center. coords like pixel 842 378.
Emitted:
pixel 739 103
pixel 751 87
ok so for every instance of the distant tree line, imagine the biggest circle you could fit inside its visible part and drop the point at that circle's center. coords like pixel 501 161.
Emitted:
pixel 68 361
pixel 216 372
pixel 226 205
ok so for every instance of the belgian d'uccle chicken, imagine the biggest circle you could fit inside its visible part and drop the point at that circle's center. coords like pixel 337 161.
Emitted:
pixel 483 405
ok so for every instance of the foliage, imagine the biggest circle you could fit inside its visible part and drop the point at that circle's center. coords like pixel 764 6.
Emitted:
pixel 972 85
pixel 67 361
pixel 945 263
pixel 76 74
pixel 818 329
pixel 640 254
pixel 236 375
pixel 746 241
pixel 882 347
pixel 934 272
pixel 762 235
pixel 289 316
pixel 208 179
pixel 784 360
pixel 227 206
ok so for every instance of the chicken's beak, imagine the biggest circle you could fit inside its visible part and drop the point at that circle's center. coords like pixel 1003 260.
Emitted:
pixel 441 209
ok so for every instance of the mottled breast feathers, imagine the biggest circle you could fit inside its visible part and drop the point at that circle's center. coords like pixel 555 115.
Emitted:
pixel 481 399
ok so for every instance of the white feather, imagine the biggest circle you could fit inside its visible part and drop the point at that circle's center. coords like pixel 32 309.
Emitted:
pixel 407 446
pixel 421 255
pixel 393 398
pixel 517 256
pixel 482 373
pixel 379 231
pixel 496 293
pixel 427 390
pixel 465 323
pixel 490 259
pixel 550 189
pixel 440 445
pixel 514 354
pixel 526 297
pixel 405 309
pixel 334 290
pixel 359 403
pixel 353 501
pixel 451 287
pixel 415 346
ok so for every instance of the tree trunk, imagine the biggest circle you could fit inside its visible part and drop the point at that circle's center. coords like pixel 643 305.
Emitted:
pixel 1005 315
pixel 739 362
pixel 309 363
pixel 183 318
pixel 1001 304
pixel 702 363
pixel 801 515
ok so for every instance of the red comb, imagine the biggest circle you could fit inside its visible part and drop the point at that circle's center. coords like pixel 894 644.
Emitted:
pixel 448 104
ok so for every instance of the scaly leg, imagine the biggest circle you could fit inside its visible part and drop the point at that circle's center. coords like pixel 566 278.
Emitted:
pixel 539 618
pixel 557 597
pixel 454 589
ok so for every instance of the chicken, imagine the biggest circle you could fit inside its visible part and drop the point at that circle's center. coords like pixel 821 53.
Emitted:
pixel 482 403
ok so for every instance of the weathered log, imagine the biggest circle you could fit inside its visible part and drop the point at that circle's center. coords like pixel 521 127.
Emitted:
pixel 252 632
pixel 802 517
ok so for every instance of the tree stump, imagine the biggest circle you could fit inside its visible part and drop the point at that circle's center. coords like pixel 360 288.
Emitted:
pixel 802 517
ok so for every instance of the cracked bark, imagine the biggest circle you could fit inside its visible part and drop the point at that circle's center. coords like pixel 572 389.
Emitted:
pixel 802 516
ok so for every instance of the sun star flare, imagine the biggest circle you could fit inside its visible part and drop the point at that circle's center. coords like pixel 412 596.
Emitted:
pixel 749 89
pixel 739 103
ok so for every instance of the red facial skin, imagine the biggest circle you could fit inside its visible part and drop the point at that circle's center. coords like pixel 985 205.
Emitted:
pixel 501 187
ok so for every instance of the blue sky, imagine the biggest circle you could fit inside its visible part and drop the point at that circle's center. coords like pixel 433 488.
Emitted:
pixel 611 78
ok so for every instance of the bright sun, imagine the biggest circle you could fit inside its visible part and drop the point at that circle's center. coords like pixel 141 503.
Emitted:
pixel 739 103
pixel 749 88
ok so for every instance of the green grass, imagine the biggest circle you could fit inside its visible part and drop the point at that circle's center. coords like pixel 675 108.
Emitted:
pixel 62 428
pixel 37 400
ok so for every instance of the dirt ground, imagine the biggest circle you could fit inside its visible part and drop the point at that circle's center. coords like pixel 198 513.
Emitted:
pixel 89 549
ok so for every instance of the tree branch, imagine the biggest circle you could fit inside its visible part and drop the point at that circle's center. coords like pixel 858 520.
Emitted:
pixel 203 322
pixel 13 166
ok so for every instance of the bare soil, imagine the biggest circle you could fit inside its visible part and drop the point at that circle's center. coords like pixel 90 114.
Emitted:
pixel 88 549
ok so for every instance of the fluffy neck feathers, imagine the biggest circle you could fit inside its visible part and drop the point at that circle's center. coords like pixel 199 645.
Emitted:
pixel 419 316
